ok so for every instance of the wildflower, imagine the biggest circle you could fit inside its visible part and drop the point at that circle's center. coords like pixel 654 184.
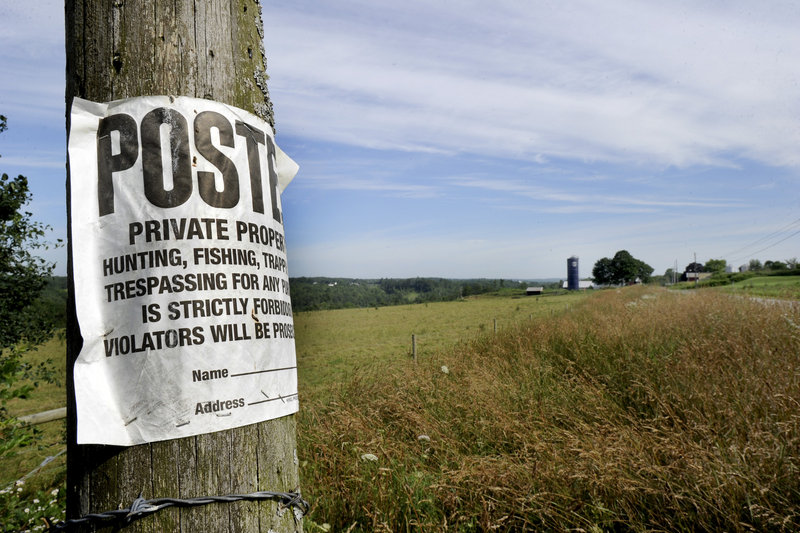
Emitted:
pixel 35 500
pixel 54 492
pixel 369 457
pixel 445 370
pixel 423 438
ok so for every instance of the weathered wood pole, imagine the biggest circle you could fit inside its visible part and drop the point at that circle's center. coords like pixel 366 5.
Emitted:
pixel 208 49
pixel 414 347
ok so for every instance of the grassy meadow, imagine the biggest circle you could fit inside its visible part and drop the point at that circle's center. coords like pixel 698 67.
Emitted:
pixel 785 287
pixel 638 409
pixel 780 285
pixel 52 435
pixel 334 345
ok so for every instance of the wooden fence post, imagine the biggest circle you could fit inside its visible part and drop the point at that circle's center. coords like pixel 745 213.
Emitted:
pixel 206 49
pixel 414 347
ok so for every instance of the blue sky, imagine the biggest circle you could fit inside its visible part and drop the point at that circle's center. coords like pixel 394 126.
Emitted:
pixel 493 139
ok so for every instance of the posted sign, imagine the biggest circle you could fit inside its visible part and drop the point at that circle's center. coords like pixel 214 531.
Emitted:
pixel 179 260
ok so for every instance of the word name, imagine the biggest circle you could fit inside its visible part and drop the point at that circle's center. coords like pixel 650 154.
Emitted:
pixel 205 375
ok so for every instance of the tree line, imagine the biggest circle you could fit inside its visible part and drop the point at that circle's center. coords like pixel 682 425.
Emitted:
pixel 321 293
pixel 623 269
pixel 718 268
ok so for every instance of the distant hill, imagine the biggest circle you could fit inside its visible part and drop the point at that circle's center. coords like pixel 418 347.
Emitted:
pixel 318 293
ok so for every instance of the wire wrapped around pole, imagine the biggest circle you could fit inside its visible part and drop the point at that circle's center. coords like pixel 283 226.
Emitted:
pixel 141 507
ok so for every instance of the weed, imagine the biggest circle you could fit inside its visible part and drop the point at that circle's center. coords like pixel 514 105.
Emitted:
pixel 30 510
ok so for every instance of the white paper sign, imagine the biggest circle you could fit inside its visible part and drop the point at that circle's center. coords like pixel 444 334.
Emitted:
pixel 181 283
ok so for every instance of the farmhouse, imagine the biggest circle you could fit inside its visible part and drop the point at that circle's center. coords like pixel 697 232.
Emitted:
pixel 696 276
pixel 582 284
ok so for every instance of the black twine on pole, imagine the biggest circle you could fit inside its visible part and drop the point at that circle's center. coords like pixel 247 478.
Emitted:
pixel 141 507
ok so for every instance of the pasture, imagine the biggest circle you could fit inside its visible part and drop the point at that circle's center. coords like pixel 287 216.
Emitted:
pixel 333 345
pixel 637 409
pixel 784 287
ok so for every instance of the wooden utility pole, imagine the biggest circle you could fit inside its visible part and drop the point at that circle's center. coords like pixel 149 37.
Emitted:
pixel 207 49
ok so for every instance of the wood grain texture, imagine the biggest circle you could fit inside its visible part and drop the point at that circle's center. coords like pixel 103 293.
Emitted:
pixel 207 49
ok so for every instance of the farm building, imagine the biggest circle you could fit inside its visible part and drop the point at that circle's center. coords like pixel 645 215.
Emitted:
pixel 532 291
pixel 695 276
pixel 582 284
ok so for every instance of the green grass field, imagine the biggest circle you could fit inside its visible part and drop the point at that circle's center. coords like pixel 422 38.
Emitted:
pixel 783 287
pixel 44 397
pixel 331 345
pixel 637 409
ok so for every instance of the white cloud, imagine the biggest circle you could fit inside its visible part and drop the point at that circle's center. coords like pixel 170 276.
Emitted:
pixel 676 83
pixel 19 19
pixel 372 184
pixel 53 160
pixel 586 201
pixel 608 115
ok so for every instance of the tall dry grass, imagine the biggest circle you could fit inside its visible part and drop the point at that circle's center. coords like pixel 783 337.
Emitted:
pixel 638 410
